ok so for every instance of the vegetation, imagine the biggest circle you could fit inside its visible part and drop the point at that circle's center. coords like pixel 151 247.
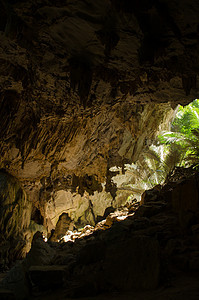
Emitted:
pixel 182 142
pixel 178 147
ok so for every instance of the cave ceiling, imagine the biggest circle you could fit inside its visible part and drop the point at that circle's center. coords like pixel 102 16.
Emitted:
pixel 85 85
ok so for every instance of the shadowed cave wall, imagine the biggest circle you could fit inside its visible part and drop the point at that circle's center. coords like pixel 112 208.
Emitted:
pixel 85 86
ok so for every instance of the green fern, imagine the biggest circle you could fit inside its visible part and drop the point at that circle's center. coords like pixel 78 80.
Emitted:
pixel 176 148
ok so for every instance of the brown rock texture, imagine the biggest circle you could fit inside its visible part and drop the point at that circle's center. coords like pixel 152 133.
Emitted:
pixel 84 86
pixel 15 212
pixel 150 251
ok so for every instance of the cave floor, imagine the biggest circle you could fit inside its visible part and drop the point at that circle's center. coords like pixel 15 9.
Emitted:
pixel 157 246
pixel 183 287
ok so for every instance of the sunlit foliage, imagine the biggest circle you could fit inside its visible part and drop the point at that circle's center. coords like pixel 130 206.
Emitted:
pixel 183 139
pixel 178 147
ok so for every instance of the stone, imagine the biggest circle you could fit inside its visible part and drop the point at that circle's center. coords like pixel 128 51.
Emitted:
pixel 117 231
pixel 40 253
pixel 29 233
pixel 150 195
pixel 64 258
pixel 135 254
pixel 6 295
pixel 133 264
pixel 15 211
pixel 195 229
pixel 47 277
pixel 17 283
pixel 91 253
pixel 86 86
pixel 185 201
pixel 194 261
pixel 185 196
pixel 148 211
pixel 74 106
pixel 61 228
pixel 79 289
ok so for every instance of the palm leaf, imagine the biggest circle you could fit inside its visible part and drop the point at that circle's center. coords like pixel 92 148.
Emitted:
pixel 152 154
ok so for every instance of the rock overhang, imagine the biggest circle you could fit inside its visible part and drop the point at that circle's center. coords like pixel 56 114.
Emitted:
pixel 85 86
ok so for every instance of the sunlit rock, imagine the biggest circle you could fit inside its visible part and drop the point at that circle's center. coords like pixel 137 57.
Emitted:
pixel 15 212
pixel 85 86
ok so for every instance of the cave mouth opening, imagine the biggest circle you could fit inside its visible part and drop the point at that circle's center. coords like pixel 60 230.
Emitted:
pixel 171 149
pixel 176 147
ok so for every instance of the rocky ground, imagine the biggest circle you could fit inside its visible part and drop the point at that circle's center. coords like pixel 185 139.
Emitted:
pixel 183 288
pixel 150 253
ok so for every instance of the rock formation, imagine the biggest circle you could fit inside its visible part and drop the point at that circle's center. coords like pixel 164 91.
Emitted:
pixel 15 213
pixel 154 250
pixel 85 86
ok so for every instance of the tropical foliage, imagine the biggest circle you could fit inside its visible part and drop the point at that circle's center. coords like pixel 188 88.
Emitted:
pixel 178 147
pixel 182 141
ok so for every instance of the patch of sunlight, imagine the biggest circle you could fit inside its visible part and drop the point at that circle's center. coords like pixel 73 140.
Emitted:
pixel 118 215
pixel 115 169
pixel 121 218
pixel 68 237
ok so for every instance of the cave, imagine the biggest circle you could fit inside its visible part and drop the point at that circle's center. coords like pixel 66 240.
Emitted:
pixel 85 88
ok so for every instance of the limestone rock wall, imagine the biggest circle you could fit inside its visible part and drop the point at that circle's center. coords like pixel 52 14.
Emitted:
pixel 15 214
pixel 153 250
pixel 85 86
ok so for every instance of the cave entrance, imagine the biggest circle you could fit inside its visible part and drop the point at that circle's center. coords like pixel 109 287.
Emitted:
pixel 178 147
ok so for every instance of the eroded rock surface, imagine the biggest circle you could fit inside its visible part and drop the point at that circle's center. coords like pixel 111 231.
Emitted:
pixel 85 86
pixel 15 211
pixel 149 249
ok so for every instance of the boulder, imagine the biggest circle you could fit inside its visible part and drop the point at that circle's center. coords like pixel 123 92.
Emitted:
pixel 61 228
pixel 16 284
pixel 15 211
pixel 6 295
pixel 185 196
pixel 133 264
pixel 40 253
pixel 47 277
pixel 185 201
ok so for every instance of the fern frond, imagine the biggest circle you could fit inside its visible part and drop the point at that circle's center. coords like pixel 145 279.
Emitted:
pixel 152 154
pixel 173 158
